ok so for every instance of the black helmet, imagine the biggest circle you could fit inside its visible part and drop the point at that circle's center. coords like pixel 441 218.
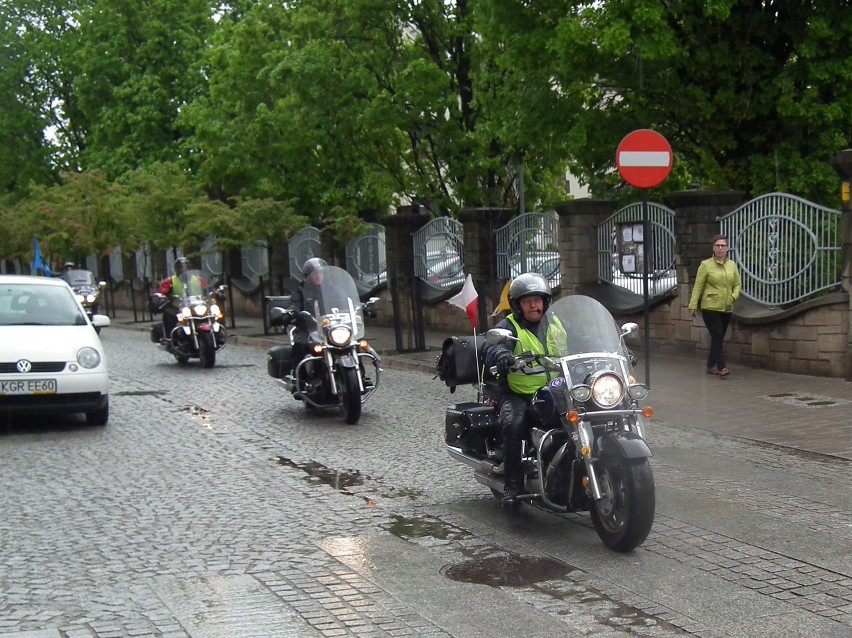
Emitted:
pixel 527 285
pixel 181 263
pixel 314 264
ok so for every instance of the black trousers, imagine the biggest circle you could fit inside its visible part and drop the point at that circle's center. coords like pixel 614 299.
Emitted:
pixel 717 326
pixel 516 420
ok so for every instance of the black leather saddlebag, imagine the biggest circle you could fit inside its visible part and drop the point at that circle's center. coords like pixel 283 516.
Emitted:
pixel 468 425
pixel 459 359
pixel 278 363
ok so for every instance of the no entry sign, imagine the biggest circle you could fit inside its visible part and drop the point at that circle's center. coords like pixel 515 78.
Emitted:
pixel 644 158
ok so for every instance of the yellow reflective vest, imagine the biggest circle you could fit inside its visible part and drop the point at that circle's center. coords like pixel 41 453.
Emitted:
pixel 520 383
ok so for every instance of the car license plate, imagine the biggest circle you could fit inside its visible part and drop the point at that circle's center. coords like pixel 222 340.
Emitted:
pixel 28 386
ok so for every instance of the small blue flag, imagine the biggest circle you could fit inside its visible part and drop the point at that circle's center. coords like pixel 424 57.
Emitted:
pixel 38 261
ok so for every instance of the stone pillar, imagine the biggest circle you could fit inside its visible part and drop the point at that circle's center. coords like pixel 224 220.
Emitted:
pixel 578 241
pixel 697 222
pixel 480 255
pixel 842 163
pixel 399 256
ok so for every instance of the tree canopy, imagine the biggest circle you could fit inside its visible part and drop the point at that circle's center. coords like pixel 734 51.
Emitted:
pixel 325 111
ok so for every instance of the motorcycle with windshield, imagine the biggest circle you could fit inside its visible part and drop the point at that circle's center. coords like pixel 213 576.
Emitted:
pixel 334 373
pixel 586 449
pixel 87 289
pixel 199 332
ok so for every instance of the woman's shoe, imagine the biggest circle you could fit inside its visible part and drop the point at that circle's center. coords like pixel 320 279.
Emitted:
pixel 724 372
pixel 713 370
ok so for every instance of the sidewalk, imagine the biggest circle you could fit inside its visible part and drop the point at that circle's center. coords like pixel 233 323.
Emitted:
pixel 804 413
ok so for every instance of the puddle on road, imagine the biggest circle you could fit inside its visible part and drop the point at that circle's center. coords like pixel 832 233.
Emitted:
pixel 510 570
pixel 805 399
pixel 340 480
pixel 410 528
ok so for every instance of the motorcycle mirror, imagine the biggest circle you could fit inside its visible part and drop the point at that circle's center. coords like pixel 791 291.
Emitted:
pixel 629 329
pixel 372 300
pixel 498 335
pixel 102 285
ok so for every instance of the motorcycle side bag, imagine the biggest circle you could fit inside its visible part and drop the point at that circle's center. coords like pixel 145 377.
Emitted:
pixel 458 361
pixel 278 361
pixel 467 425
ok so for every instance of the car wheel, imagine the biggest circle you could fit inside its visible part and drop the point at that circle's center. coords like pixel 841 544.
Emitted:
pixel 98 417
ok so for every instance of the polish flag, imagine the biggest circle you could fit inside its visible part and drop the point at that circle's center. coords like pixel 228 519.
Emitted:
pixel 467 300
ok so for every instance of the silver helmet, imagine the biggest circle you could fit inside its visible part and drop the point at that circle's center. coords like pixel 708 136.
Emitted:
pixel 528 285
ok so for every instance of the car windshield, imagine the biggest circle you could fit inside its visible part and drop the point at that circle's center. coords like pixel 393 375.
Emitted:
pixel 34 305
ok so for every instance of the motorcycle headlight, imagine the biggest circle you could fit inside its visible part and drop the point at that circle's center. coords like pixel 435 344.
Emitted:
pixel 88 358
pixel 80 298
pixel 200 310
pixel 340 335
pixel 607 390
pixel 581 393
pixel 215 310
pixel 90 298
pixel 186 312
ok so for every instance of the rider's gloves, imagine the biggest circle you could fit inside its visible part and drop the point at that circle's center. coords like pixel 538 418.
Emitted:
pixel 505 361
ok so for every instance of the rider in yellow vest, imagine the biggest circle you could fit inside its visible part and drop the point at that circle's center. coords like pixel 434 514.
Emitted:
pixel 529 298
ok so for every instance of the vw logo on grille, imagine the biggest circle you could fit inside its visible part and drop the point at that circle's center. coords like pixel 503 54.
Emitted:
pixel 24 366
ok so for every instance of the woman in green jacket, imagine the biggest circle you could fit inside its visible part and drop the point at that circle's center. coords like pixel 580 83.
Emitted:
pixel 717 287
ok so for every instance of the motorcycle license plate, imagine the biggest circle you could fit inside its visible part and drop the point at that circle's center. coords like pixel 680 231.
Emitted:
pixel 28 386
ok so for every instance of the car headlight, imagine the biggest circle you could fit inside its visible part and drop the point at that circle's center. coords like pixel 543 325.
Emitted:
pixel 607 390
pixel 200 310
pixel 340 335
pixel 88 358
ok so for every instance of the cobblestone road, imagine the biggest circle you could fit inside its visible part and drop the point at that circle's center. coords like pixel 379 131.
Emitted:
pixel 214 505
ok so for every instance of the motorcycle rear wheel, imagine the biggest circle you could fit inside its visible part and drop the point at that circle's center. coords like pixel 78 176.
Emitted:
pixel 350 394
pixel 624 516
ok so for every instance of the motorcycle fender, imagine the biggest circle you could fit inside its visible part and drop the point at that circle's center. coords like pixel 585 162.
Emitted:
pixel 186 330
pixel 628 445
pixel 346 361
pixel 204 327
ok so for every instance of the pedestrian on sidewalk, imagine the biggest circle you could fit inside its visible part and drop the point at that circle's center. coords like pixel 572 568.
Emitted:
pixel 717 287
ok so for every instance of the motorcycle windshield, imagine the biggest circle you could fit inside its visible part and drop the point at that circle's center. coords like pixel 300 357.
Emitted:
pixel 80 278
pixel 333 297
pixel 193 284
pixel 577 325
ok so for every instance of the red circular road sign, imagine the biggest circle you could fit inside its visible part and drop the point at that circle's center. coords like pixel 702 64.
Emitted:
pixel 644 158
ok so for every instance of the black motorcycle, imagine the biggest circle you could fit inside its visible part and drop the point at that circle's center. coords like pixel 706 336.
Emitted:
pixel 87 290
pixel 334 374
pixel 586 450
pixel 199 333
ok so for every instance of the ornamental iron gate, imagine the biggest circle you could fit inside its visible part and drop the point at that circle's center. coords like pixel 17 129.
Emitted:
pixel 787 248
pixel 529 243
pixel 303 246
pixel 366 261
pixel 439 257
pixel 622 249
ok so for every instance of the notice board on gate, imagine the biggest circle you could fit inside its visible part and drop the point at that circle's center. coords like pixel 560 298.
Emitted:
pixel 631 248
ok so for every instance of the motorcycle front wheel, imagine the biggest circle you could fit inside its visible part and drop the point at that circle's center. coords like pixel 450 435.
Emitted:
pixel 207 345
pixel 350 394
pixel 623 517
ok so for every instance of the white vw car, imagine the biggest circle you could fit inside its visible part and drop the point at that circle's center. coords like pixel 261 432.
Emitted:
pixel 51 358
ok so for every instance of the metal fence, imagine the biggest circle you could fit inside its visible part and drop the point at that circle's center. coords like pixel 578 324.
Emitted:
pixel 439 255
pixel 623 247
pixel 787 248
pixel 529 243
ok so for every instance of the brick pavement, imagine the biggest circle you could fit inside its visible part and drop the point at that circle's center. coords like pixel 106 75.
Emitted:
pixel 800 412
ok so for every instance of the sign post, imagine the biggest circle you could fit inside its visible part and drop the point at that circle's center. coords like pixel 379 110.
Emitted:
pixel 644 159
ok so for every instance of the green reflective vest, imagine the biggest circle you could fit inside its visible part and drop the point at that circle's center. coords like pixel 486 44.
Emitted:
pixel 520 383
pixel 195 288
